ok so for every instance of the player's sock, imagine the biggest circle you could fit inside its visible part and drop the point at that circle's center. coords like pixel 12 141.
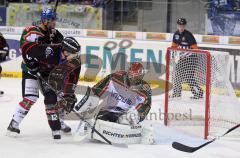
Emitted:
pixel 20 113
pixel 53 120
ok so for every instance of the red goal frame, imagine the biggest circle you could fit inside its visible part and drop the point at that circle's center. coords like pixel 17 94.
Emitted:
pixel 208 85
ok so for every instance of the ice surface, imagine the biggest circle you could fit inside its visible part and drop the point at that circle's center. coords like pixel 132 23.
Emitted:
pixel 35 138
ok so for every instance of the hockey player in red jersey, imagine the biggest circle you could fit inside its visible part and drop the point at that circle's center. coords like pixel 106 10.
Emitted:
pixel 43 48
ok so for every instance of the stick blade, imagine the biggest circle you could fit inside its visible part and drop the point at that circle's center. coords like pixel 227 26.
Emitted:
pixel 183 147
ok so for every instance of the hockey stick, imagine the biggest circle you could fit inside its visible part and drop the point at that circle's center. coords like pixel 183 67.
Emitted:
pixel 60 93
pixel 56 5
pixel 79 116
pixel 189 149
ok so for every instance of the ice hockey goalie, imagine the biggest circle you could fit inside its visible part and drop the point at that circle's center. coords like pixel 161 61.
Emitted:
pixel 126 101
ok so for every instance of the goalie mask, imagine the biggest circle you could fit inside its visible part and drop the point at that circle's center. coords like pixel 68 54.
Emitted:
pixel 135 73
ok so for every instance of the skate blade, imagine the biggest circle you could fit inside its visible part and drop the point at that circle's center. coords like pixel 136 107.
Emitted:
pixel 12 134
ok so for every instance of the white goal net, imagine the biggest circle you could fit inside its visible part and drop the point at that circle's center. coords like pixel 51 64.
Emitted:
pixel 199 97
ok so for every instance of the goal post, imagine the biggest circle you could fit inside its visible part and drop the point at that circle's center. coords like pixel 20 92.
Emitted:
pixel 200 84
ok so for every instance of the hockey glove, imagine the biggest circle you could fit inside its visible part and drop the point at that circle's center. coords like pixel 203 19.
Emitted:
pixel 69 102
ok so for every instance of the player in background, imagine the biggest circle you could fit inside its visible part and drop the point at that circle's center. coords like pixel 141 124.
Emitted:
pixel 123 92
pixel 185 68
pixel 4 52
pixel 43 47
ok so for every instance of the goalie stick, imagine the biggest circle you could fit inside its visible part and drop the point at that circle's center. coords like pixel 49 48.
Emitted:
pixel 59 94
pixel 189 149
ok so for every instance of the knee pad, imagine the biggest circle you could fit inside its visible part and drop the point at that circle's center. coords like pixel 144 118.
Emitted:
pixel 50 98
pixel 27 102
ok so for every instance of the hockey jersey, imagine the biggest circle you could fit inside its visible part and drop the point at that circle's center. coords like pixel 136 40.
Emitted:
pixel 118 96
pixel 38 51
pixel 184 40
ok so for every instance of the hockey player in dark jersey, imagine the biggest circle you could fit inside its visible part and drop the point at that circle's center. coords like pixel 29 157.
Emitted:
pixel 43 48
pixel 185 68
pixel 4 52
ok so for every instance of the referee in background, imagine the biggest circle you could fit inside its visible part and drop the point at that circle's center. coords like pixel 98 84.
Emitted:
pixel 188 62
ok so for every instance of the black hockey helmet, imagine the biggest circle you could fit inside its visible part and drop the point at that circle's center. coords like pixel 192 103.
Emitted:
pixel 181 21
pixel 70 45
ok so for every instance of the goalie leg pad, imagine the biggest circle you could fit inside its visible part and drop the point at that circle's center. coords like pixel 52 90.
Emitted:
pixel 118 133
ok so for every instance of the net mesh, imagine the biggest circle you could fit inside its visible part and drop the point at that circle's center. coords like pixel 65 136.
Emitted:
pixel 187 95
